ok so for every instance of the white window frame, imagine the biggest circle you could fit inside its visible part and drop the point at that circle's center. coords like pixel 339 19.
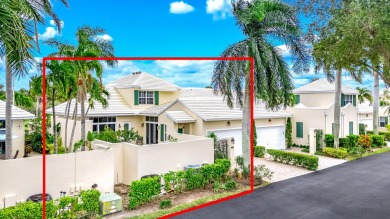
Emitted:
pixel 127 123
pixel 98 124
pixel 145 97
pixel 380 121
pixel 348 99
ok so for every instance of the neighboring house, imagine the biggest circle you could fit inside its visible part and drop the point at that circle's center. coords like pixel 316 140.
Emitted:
pixel 314 108
pixel 157 109
pixel 366 116
pixel 18 117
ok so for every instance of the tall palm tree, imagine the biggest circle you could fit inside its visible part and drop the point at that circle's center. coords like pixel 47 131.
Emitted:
pixel 260 20
pixel 364 94
pixel 89 45
pixel 18 25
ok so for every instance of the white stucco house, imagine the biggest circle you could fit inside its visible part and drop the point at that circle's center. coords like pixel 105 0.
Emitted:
pixel 314 108
pixel 18 117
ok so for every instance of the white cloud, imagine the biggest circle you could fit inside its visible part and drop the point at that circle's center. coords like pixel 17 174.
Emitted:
pixel 218 8
pixel 283 50
pixel 105 37
pixel 50 32
pixel 180 8
pixel 122 69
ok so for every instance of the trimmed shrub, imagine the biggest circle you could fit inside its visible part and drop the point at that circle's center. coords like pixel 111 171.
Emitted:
pixel 329 140
pixel 165 204
pixel 230 185
pixel 344 142
pixel 259 151
pixel 353 141
pixel 336 152
pixel 90 201
pixel 308 161
pixel 225 164
pixel 386 135
pixel 365 141
pixel 370 132
pixel 377 140
pixel 142 191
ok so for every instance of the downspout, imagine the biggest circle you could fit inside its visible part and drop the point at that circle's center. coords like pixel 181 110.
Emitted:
pixel 326 115
pixel 342 124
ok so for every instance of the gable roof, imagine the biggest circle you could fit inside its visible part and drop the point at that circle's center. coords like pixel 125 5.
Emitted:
pixel 180 117
pixel 323 86
pixel 210 107
pixel 17 113
pixel 157 110
pixel 144 81
pixel 117 107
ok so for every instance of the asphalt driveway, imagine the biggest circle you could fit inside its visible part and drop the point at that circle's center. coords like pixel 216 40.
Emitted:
pixel 356 189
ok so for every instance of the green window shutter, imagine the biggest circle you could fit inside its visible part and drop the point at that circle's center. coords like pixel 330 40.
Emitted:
pixel 342 100
pixel 136 97
pixel 299 129
pixel 386 120
pixel 351 128
pixel 162 132
pixel 354 100
pixel 180 130
pixel 156 97
pixel 297 99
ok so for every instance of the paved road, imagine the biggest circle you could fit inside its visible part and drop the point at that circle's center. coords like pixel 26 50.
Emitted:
pixel 356 189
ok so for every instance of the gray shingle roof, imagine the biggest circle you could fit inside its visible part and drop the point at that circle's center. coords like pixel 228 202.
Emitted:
pixel 209 107
pixel 117 107
pixel 323 86
pixel 17 113
pixel 157 110
pixel 180 117
pixel 144 81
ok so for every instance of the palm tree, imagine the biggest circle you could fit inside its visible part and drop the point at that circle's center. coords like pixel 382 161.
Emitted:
pixel 18 25
pixel 364 94
pixel 89 45
pixel 259 20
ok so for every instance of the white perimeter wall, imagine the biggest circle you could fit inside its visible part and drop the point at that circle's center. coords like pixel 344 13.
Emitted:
pixel 23 177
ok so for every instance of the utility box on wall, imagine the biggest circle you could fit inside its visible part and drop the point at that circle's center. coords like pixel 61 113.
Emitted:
pixel 110 203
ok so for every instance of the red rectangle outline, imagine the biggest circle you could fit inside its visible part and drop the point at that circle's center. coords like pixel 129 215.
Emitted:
pixel 251 83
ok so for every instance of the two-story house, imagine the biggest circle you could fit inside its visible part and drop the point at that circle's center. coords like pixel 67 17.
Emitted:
pixel 157 108
pixel 314 108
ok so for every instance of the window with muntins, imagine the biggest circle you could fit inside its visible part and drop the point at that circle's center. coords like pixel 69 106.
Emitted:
pixel 145 97
pixel 99 123
pixel 348 99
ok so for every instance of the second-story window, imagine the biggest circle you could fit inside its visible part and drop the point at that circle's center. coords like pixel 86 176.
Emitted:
pixel 348 99
pixel 145 97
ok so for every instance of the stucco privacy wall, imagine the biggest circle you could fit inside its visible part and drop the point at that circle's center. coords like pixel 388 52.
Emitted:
pixel 18 141
pixel 221 125
pixel 23 177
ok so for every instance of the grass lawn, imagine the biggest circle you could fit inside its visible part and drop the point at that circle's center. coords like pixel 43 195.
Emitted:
pixel 181 207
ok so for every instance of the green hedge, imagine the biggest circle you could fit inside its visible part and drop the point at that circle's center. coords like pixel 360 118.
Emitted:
pixel 55 209
pixel 386 135
pixel 259 151
pixel 142 191
pixel 344 142
pixel 335 152
pixel 329 140
pixel 378 140
pixel 308 161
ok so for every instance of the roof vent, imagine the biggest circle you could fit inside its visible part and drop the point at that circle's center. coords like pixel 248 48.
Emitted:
pixel 136 73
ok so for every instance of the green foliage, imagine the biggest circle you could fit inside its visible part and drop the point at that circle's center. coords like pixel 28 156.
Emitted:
pixel 336 152
pixel 308 161
pixel 386 135
pixel 168 180
pixel 195 179
pixel 387 127
pixel 78 145
pixel 357 151
pixel 289 133
pixel 377 140
pixel 362 129
pixel 230 185
pixel 259 151
pixel 167 203
pixel 225 164
pixel 90 201
pixel 112 136
pixel 319 138
pixel 306 150
pixel 254 134
pixel 143 190
pixel 329 140
pixel 240 161
pixel 344 142
pixel 353 141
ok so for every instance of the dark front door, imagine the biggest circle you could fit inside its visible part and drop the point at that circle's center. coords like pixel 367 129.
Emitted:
pixel 151 133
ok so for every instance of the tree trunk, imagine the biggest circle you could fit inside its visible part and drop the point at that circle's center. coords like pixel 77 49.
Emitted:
pixel 67 111
pixel 375 118
pixel 8 112
pixel 83 137
pixel 53 94
pixel 246 146
pixel 74 127
pixel 337 108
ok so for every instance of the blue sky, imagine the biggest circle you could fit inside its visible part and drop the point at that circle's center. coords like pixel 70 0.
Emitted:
pixel 156 28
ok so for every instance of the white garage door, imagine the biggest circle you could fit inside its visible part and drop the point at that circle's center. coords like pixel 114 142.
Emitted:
pixel 270 137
